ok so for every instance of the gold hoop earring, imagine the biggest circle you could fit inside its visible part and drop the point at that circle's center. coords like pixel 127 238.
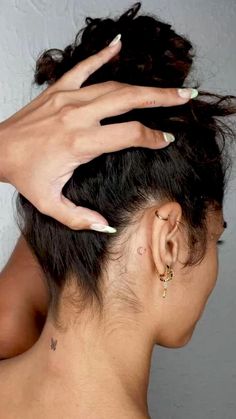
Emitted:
pixel 163 218
pixel 167 276
pixel 160 216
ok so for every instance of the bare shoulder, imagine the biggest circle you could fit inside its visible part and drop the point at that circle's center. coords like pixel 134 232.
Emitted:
pixel 17 401
pixel 6 370
pixel 5 389
pixel 10 383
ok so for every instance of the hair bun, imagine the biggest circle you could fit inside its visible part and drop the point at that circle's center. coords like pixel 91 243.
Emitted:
pixel 152 52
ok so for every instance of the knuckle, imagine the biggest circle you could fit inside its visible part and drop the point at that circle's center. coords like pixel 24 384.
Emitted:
pixel 73 223
pixel 129 90
pixel 165 96
pixel 65 113
pixel 157 136
pixel 138 130
pixel 113 84
pixel 56 99
pixel 131 95
pixel 88 70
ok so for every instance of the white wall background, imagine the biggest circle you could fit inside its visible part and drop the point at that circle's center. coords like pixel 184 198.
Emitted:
pixel 198 381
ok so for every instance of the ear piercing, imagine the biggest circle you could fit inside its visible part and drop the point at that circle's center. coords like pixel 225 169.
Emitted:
pixel 160 217
pixel 167 276
pixel 169 273
pixel 163 218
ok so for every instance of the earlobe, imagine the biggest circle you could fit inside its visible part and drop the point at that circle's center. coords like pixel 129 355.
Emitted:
pixel 165 235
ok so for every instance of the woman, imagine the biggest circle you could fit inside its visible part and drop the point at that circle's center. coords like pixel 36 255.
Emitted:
pixel 112 298
pixel 67 144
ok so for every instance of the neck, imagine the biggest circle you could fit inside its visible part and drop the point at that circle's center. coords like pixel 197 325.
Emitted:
pixel 105 365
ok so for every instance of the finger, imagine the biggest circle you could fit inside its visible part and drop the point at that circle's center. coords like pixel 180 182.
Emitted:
pixel 64 97
pixel 76 217
pixel 87 93
pixel 132 97
pixel 123 135
pixel 96 90
pixel 72 96
pixel 75 77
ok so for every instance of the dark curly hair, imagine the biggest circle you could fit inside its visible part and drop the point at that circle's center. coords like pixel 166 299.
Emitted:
pixel 192 171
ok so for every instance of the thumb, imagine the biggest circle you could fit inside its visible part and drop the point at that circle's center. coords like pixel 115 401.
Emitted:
pixel 76 217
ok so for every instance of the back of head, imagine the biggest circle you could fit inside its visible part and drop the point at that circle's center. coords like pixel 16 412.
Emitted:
pixel 192 171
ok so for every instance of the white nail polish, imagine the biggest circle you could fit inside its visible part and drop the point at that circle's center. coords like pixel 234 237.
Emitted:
pixel 102 228
pixel 115 40
pixel 188 93
pixel 169 138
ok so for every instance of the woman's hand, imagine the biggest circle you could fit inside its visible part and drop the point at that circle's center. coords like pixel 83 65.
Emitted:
pixel 43 143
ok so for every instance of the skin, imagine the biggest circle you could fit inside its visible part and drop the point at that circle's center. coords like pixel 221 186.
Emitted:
pixel 103 362
pixel 23 301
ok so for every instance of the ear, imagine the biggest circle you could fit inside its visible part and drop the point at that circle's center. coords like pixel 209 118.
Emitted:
pixel 166 236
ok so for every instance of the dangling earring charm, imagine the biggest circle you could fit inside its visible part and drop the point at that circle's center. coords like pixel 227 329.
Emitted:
pixel 167 276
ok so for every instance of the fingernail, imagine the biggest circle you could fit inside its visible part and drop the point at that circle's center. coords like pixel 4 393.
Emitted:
pixel 188 93
pixel 103 228
pixel 169 138
pixel 115 40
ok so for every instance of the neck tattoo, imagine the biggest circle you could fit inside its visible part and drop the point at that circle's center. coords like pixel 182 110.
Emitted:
pixel 53 344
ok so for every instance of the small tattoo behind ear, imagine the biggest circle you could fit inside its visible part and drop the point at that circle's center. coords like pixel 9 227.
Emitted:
pixel 141 250
pixel 53 344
